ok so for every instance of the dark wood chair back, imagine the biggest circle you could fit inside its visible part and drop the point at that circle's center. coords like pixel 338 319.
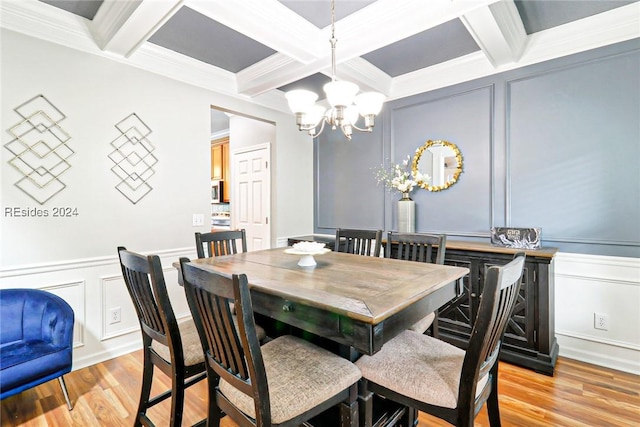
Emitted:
pixel 233 353
pixel 359 242
pixel 499 297
pixel 419 247
pixel 147 288
pixel 218 243
pixel 145 282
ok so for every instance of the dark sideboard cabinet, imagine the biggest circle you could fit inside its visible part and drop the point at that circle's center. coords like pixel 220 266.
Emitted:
pixel 529 340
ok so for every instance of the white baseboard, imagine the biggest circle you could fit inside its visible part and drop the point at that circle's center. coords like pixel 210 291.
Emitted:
pixel 601 354
pixel 110 353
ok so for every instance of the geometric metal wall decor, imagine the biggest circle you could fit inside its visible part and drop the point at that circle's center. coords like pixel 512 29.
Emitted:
pixel 133 158
pixel 40 149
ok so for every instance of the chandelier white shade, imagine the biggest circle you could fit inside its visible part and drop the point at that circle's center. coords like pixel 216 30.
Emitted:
pixel 346 104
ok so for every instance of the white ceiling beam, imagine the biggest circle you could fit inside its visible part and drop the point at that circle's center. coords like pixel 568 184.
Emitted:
pixel 121 27
pixel 367 76
pixel 269 22
pixel 498 30
pixel 271 73
pixel 375 26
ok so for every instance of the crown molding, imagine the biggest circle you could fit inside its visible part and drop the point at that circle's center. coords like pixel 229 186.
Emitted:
pixel 614 26
pixel 36 19
pixel 617 25
pixel 255 84
pixel 458 70
pixel 46 22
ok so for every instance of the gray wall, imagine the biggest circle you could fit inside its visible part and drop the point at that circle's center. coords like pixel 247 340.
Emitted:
pixel 554 145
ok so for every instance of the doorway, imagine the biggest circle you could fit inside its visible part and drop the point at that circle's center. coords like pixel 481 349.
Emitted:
pixel 247 180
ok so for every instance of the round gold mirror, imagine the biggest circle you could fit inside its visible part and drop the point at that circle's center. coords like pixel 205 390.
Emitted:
pixel 441 161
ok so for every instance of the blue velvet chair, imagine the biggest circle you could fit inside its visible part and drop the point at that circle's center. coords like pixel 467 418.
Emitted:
pixel 36 340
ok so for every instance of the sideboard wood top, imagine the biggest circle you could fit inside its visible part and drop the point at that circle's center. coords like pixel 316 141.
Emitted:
pixel 487 247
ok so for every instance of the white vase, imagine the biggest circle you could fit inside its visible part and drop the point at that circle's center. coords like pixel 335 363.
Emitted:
pixel 406 214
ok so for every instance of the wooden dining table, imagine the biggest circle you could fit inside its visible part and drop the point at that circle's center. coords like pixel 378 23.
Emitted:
pixel 356 301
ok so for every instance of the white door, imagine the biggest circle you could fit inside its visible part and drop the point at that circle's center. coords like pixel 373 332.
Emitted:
pixel 251 195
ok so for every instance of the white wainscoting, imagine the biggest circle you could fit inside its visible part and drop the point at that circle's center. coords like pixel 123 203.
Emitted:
pixel 584 284
pixel 588 284
pixel 93 287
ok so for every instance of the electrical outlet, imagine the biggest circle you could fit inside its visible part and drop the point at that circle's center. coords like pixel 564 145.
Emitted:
pixel 115 315
pixel 198 220
pixel 601 321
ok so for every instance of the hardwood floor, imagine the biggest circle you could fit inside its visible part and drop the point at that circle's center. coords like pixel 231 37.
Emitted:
pixel 106 394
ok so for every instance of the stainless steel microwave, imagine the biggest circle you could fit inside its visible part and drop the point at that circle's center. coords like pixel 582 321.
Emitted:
pixel 217 191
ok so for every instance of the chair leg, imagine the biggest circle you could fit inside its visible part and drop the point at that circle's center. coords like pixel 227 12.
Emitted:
pixel 65 392
pixel 214 414
pixel 177 396
pixel 147 379
pixel 434 326
pixel 365 403
pixel 410 417
pixel 493 408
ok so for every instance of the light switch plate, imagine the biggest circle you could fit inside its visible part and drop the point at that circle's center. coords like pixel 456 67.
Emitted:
pixel 198 220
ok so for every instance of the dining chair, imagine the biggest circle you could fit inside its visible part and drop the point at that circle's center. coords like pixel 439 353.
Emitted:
pixel 359 242
pixel 171 346
pixel 218 243
pixel 284 382
pixel 419 247
pixel 432 376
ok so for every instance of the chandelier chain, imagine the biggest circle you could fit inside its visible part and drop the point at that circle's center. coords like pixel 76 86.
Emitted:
pixel 333 40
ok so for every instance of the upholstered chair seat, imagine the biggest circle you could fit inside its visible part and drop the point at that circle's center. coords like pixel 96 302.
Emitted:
pixel 295 385
pixel 422 325
pixel 191 347
pixel 435 363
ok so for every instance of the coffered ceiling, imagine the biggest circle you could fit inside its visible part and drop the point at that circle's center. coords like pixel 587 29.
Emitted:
pixel 260 48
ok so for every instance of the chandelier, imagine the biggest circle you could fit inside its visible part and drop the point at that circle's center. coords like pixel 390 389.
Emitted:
pixel 345 108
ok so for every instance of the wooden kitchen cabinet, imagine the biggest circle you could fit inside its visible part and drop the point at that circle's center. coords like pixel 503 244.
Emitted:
pixel 220 169
pixel 226 172
pixel 216 162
